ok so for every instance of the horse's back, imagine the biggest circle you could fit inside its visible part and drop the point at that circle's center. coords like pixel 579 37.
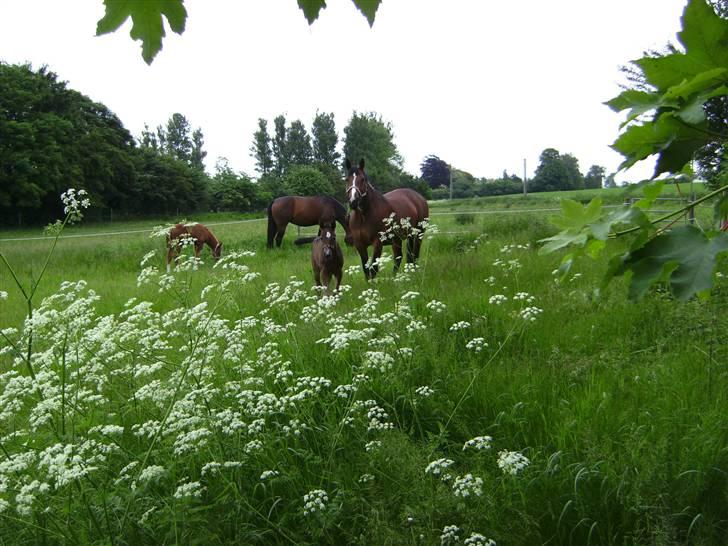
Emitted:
pixel 407 203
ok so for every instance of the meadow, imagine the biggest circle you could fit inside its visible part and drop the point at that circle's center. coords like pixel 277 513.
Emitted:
pixel 476 399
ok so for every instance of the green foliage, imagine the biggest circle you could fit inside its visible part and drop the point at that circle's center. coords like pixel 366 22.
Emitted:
pixel 230 191
pixel 298 144
pixel 683 82
pixel 556 172
pixel 312 8
pixel 435 171
pixel 369 137
pixel 306 180
pixel 146 16
pixel 325 139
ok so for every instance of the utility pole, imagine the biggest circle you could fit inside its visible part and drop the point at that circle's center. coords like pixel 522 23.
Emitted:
pixel 449 167
pixel 525 191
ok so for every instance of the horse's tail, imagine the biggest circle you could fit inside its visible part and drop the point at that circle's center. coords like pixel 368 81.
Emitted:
pixel 272 228
pixel 304 240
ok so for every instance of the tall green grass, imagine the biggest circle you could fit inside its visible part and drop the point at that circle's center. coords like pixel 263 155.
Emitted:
pixel 619 406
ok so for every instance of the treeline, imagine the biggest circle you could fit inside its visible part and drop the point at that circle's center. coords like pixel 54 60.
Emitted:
pixel 555 172
pixel 53 138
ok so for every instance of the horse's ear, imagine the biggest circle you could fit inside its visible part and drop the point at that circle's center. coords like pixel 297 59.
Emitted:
pixel 361 163
pixel 348 166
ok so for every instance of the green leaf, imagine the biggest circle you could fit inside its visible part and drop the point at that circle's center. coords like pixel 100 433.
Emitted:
pixel 621 216
pixel 368 8
pixel 561 240
pixel 638 102
pixel 575 215
pixel 704 34
pixel 146 16
pixel 311 9
pixel 683 256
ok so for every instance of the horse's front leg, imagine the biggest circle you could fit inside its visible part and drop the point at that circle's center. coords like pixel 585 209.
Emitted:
pixel 376 254
pixel 364 255
pixel 397 251
pixel 280 233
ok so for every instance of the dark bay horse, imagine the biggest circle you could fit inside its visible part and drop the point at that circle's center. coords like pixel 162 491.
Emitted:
pixel 327 259
pixel 201 236
pixel 370 212
pixel 302 211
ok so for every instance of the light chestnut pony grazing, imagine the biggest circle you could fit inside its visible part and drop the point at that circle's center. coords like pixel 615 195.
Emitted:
pixel 369 210
pixel 326 256
pixel 201 235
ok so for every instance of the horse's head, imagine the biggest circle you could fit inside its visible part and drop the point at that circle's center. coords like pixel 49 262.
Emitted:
pixel 217 251
pixel 327 232
pixel 357 185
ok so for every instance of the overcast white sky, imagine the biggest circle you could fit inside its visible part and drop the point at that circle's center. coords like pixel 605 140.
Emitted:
pixel 481 84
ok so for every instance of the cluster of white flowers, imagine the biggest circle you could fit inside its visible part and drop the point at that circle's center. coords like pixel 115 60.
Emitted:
pixel 424 391
pixel 498 299
pixel 476 539
pixel 467 485
pixel 490 281
pixel 315 501
pixel 460 325
pixel 476 344
pixel 507 249
pixel 436 306
pixel 449 535
pixel 189 490
pixel 437 467
pixel 480 443
pixel 74 202
pixel 508 265
pixel 524 296
pixel 3 295
pixel 372 446
pixel 512 462
pixel 366 478
pixel 530 313
pixel 269 474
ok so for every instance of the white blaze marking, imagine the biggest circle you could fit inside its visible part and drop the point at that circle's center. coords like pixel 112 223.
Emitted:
pixel 352 192
pixel 328 235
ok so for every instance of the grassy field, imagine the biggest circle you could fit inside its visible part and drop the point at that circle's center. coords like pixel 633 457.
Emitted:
pixel 473 399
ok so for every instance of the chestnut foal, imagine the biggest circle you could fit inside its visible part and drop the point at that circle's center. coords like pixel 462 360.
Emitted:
pixel 201 235
pixel 326 256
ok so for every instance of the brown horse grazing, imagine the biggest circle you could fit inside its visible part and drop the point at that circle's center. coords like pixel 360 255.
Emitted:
pixel 326 256
pixel 369 210
pixel 201 236
pixel 302 211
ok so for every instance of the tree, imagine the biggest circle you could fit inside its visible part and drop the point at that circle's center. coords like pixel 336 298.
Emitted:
pixel 280 152
pixel 370 138
pixel 325 139
pixel 177 141
pixel 306 180
pixel 594 177
pixel 435 171
pixel 298 144
pixel 260 150
pixel 197 155
pixel 53 138
pixel 231 191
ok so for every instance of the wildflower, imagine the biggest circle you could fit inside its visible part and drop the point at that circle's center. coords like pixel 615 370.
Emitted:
pixel 476 539
pixel 512 462
pixel 75 202
pixel 152 473
pixel 449 535
pixel 498 299
pixel 481 443
pixel 407 296
pixel 315 501
pixel 465 486
pixel 530 313
pixel 476 344
pixel 373 445
pixel 189 490
pixel 436 467
pixel 3 295
pixel 366 478
pixel 524 296
pixel 424 391
pixel 461 325
pixel 436 306
pixel 268 474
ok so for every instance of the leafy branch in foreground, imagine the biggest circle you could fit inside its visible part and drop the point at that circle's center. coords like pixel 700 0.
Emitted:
pixel 148 18
pixel 678 87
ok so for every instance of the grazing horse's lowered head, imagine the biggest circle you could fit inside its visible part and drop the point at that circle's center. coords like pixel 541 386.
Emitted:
pixel 357 185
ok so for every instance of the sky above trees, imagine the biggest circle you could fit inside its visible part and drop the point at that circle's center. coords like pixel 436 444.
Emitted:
pixel 480 85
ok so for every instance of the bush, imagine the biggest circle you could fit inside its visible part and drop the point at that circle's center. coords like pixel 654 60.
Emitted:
pixel 306 180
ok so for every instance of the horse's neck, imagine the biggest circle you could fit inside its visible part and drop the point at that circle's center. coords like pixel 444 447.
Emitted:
pixel 210 240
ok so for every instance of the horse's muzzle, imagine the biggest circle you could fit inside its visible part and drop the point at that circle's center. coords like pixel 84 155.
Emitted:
pixel 354 205
pixel 328 252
